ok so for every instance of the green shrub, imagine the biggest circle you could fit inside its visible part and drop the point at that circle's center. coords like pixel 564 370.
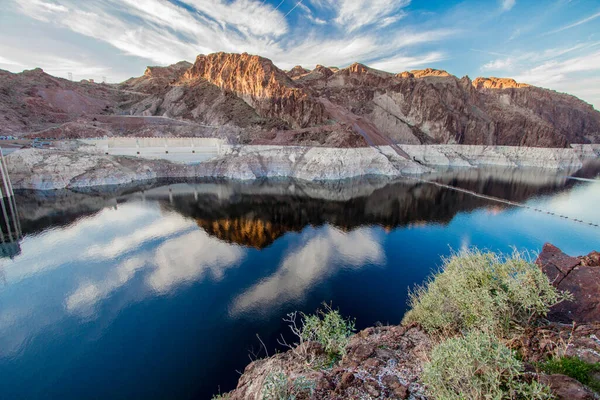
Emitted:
pixel 575 368
pixel 485 291
pixel 277 386
pixel 477 366
pixel 330 329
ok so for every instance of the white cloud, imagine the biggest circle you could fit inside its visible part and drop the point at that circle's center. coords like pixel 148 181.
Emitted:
pixel 405 63
pixel 175 257
pixel 88 294
pixel 573 25
pixel 190 257
pixel 6 61
pixel 507 5
pixel 499 64
pixel 572 69
pixel 41 10
pixel 255 17
pixel 165 33
pixel 364 48
pixel 53 64
pixel 558 71
pixel 576 76
pixel 101 229
pixel 169 33
pixel 310 16
pixel 356 14
pixel 119 245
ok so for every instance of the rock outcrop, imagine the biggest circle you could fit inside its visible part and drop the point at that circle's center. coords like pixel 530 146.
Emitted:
pixel 297 71
pixel 382 362
pixel 156 79
pixel 422 73
pixel 261 84
pixel 432 106
pixel 578 275
pixel 497 83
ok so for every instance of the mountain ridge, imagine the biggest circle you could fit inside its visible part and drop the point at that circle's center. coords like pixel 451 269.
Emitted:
pixel 247 99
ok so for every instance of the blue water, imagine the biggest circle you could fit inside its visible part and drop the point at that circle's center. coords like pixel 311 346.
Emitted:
pixel 141 295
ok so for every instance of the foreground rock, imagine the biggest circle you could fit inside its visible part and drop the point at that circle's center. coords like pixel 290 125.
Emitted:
pixel 383 362
pixel 578 275
pixel 567 388
pixel 387 362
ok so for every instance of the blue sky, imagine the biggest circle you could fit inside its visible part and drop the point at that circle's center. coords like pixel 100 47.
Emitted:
pixel 554 44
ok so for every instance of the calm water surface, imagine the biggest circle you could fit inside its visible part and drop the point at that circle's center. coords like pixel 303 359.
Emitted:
pixel 159 292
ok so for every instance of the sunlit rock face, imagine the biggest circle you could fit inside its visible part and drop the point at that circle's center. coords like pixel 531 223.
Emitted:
pixel 261 84
pixel 497 83
pixel 421 73
pixel 246 231
pixel 156 78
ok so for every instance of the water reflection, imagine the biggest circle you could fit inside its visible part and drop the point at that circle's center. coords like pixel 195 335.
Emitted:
pixel 117 272
pixel 185 258
pixel 319 255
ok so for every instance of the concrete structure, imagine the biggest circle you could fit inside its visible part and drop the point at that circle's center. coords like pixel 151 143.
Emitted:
pixel 10 226
pixel 180 150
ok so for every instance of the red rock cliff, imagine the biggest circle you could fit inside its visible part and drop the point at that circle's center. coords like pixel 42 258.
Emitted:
pixel 261 84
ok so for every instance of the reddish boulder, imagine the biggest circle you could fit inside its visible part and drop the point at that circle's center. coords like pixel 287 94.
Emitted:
pixel 567 388
pixel 578 275
pixel 556 264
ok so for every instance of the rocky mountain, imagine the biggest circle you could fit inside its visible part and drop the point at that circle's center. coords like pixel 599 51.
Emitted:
pixel 247 99
pixel 260 84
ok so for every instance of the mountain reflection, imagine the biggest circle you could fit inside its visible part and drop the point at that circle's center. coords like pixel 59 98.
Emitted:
pixel 257 214
pixel 250 217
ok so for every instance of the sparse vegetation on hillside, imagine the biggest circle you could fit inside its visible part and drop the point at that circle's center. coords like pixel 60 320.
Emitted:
pixel 279 387
pixel 477 302
pixel 485 291
pixel 478 366
pixel 456 343
pixel 330 329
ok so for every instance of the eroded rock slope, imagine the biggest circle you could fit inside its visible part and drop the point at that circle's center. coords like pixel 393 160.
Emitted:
pixel 247 99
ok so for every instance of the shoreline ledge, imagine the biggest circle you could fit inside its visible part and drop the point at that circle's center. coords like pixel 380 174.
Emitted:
pixel 50 169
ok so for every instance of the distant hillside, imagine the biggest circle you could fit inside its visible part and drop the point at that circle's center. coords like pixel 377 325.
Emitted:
pixel 247 99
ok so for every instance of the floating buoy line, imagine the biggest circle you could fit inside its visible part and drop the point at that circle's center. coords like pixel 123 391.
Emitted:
pixel 504 201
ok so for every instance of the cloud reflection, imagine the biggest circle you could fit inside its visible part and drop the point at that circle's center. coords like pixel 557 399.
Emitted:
pixel 179 260
pixel 320 257
pixel 581 202
pixel 101 254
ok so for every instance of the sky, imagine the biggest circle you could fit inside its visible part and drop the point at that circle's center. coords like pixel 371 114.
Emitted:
pixel 549 43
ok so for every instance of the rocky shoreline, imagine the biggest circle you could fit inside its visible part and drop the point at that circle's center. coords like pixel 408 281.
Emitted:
pixel 50 169
pixel 386 362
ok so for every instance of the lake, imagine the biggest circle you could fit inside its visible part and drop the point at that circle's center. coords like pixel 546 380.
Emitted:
pixel 159 291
